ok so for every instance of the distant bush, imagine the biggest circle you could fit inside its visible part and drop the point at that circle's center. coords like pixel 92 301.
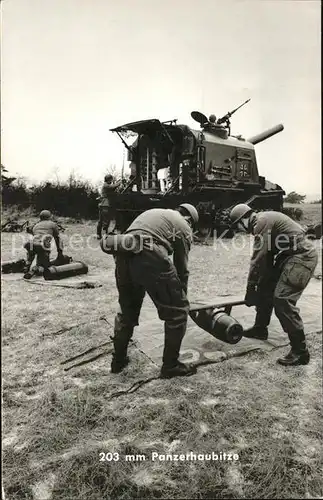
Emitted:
pixel 74 198
pixel 15 192
pixel 316 202
pixel 5 180
pixel 294 197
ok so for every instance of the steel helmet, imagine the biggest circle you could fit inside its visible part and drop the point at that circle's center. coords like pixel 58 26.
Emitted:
pixel 45 214
pixel 191 211
pixel 239 212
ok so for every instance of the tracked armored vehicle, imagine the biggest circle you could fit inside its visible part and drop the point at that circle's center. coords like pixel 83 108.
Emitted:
pixel 208 168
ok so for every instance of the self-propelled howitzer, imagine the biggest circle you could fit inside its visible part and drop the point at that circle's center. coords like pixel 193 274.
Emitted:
pixel 208 168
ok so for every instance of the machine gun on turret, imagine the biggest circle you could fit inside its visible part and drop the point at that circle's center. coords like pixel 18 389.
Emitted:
pixel 226 118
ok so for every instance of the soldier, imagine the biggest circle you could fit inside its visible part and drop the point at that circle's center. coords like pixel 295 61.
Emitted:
pixel 151 270
pixel 106 213
pixel 133 170
pixel 162 176
pixel 43 232
pixel 282 264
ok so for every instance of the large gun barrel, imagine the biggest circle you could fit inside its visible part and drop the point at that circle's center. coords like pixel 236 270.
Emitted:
pixel 266 134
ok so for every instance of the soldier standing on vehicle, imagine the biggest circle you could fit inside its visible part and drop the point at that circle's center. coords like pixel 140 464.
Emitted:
pixel 162 176
pixel 106 212
pixel 281 267
pixel 151 270
pixel 133 170
pixel 40 245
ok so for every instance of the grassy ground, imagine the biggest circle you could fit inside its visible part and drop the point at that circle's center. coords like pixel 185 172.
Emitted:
pixel 56 423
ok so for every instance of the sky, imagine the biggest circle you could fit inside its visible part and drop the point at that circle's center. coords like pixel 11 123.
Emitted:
pixel 73 69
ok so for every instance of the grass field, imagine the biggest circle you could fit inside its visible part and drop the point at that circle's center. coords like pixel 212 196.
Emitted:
pixel 57 423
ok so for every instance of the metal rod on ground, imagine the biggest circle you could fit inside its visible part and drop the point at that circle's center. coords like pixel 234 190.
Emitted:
pixel 76 325
pixel 85 352
pixel 84 362
pixel 134 387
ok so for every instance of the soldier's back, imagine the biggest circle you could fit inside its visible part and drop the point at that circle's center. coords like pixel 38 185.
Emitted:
pixel 44 228
pixel 280 223
pixel 164 224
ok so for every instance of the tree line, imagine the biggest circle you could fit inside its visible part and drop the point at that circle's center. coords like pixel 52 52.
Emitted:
pixel 75 198
pixel 72 198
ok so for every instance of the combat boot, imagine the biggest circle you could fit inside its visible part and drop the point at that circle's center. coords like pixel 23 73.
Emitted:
pixel 177 370
pixel 28 275
pixel 256 332
pixel 299 354
pixel 119 356
pixel 27 265
pixel 121 340
pixel 118 364
pixel 171 366
pixel 29 272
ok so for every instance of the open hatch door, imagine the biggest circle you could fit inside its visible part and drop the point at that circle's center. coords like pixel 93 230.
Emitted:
pixel 141 127
pixel 146 127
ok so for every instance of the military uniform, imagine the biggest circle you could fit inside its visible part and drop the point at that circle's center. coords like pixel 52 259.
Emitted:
pixel 282 265
pixel 106 212
pixel 153 272
pixel 43 232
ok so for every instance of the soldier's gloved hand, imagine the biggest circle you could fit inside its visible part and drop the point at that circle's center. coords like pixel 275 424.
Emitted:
pixel 251 296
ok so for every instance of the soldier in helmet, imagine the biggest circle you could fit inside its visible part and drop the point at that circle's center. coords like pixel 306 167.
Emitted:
pixel 40 245
pixel 106 212
pixel 168 232
pixel 213 124
pixel 282 264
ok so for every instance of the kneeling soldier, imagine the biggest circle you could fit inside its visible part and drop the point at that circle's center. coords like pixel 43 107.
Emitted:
pixel 40 245
pixel 164 232
pixel 281 267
